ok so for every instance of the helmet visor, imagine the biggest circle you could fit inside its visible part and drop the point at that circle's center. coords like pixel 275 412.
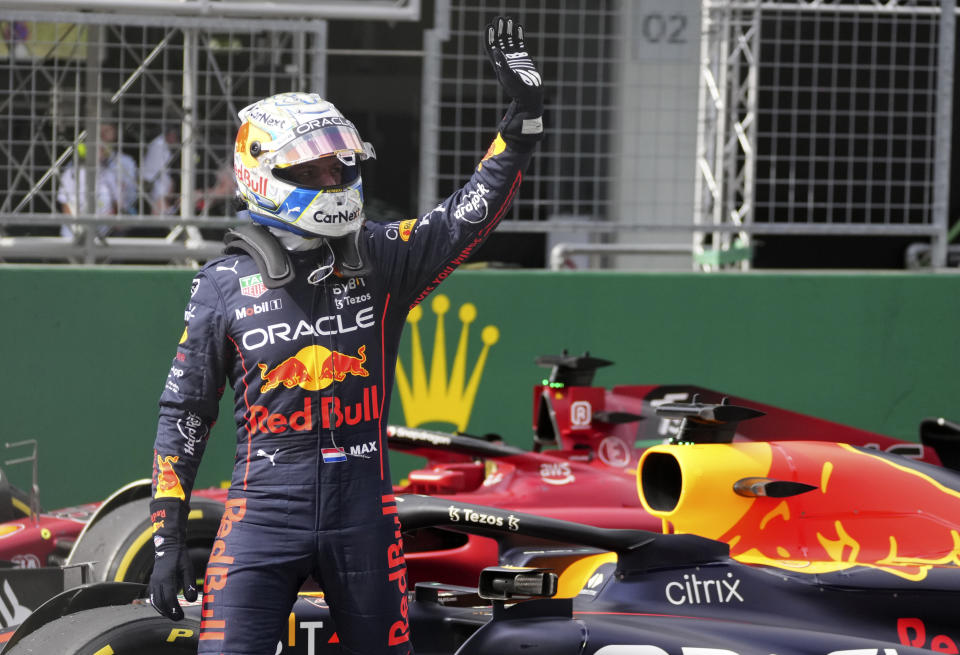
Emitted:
pixel 333 139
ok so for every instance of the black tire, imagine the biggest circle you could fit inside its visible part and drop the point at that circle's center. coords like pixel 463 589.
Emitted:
pixel 118 629
pixel 121 547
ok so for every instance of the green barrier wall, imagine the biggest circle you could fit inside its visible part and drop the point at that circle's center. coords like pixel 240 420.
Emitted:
pixel 86 352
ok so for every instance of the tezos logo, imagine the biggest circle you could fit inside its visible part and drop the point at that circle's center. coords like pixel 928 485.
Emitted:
pixel 467 515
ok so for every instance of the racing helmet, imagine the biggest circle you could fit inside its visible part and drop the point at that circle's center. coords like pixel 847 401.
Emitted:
pixel 280 132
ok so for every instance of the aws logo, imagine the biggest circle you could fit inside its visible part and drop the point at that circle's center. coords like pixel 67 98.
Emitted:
pixel 442 396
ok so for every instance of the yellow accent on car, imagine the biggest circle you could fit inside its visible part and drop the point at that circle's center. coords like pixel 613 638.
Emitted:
pixel 573 577
pixel 22 506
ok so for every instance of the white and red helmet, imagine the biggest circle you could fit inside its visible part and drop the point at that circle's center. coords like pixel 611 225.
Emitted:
pixel 288 129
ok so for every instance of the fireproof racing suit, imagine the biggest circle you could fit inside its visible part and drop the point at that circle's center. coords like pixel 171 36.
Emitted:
pixel 312 368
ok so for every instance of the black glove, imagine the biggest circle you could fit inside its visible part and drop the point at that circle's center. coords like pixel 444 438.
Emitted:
pixel 523 122
pixel 172 569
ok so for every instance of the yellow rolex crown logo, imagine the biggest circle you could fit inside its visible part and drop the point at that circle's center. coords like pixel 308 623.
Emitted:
pixel 439 398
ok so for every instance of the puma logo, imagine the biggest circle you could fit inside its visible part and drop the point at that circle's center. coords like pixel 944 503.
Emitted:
pixel 262 453
pixel 221 267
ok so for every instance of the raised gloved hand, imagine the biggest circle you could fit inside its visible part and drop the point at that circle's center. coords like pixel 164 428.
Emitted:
pixel 517 74
pixel 172 569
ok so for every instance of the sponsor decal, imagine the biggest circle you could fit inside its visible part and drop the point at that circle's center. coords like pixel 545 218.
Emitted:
pixel 556 473
pixel 212 625
pixel 157 519
pixel 188 313
pixel 324 326
pixel 399 631
pixel 532 125
pixel 263 117
pixel 168 483
pixel 170 385
pixel 612 451
pixel 320 123
pixel 339 217
pixel 194 287
pixel 26 561
pixel 252 285
pixel 183 337
pixel 341 293
pixel 333 455
pixel 232 267
pixel 497 146
pixel 466 515
pixel 694 591
pixel 14 612
pixel 351 300
pixel 581 414
pixel 193 430
pixel 314 368
pixel 592 587
pixel 262 420
pixel 79 514
pixel 411 434
pixel 262 453
pixel 181 356
pixel 257 308
pixel 469 209
pixel 911 450
pixel 447 270
pixel 913 632
pixel 344 288
pixel 405 229
pixel 669 426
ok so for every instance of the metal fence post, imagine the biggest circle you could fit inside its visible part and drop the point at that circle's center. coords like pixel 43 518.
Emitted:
pixel 944 132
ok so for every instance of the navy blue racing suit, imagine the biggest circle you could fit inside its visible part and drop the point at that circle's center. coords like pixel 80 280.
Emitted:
pixel 312 368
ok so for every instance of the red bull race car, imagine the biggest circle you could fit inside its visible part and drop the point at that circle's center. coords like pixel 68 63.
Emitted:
pixel 789 547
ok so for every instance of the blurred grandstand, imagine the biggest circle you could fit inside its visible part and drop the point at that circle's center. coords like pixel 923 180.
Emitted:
pixel 682 134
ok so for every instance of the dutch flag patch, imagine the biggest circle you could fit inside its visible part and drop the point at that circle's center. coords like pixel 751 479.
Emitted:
pixel 332 455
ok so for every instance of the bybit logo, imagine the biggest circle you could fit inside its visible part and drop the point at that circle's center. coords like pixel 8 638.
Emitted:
pixel 441 398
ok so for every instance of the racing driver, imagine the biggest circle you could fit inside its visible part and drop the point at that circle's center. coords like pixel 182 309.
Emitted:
pixel 303 316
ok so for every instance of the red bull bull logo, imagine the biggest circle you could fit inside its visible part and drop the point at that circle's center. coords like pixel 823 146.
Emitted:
pixel 406 229
pixel 313 368
pixel 168 483
pixel 863 509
